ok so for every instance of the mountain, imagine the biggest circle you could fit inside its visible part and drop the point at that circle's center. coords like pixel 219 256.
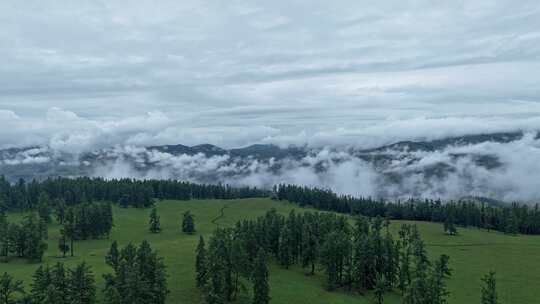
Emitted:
pixel 402 168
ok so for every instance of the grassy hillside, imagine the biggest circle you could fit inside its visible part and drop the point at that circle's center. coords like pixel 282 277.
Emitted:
pixel 473 253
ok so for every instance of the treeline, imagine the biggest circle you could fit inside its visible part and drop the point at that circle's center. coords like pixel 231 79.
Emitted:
pixel 359 257
pixel 139 277
pixel 513 219
pixel 126 192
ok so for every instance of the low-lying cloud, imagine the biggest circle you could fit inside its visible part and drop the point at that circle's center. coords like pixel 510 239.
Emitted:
pixel 506 171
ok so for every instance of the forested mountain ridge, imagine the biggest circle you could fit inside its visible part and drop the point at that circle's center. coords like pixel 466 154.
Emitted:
pixel 451 167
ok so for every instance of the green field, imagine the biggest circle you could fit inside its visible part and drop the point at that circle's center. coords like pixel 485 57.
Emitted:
pixel 516 259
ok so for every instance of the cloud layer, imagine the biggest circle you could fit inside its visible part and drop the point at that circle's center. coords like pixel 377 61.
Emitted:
pixel 506 171
pixel 85 75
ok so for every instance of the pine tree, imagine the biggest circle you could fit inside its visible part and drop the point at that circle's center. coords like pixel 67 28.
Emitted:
pixel 489 290
pixel 219 286
pixel 60 205
pixel 70 228
pixel 239 264
pixel 449 224
pixel 44 210
pixel 82 285
pixel 113 256
pixel 201 267
pixel 42 279
pixel 261 288
pixel 310 247
pixel 511 226
pixel 438 292
pixel 4 236
pixel 285 254
pixel 58 290
pixel 154 221
pixel 63 243
pixel 8 288
pixel 417 292
pixel 34 242
pixel 188 223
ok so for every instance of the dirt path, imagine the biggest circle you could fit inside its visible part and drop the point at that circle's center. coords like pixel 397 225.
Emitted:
pixel 220 216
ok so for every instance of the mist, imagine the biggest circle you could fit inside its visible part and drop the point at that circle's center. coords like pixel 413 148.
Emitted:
pixel 511 173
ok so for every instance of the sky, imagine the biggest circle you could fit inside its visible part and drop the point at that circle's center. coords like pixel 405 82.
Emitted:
pixel 76 75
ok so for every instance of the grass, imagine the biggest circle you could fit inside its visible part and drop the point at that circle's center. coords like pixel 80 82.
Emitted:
pixel 473 253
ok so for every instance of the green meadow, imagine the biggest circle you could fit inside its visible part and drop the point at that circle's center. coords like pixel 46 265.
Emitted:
pixel 473 253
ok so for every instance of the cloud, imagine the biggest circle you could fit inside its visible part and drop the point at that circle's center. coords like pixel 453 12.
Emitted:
pixel 505 171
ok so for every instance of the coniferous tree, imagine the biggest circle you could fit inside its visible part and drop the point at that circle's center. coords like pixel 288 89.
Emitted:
pixel 8 288
pixel 63 243
pixel 417 292
pixel 61 207
pixel 404 273
pixel 261 288
pixel 70 228
pixel 310 247
pixel 334 252
pixel 239 263
pixel 154 221
pixel 438 292
pixel 188 223
pixel 58 290
pixel 34 243
pixel 113 256
pixel 511 226
pixel 285 253
pixel 201 264
pixel 81 285
pixel 44 210
pixel 489 290
pixel 42 279
pixel 449 225
pixel 4 237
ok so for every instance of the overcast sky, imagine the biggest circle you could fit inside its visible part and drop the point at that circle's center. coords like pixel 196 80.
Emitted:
pixel 81 74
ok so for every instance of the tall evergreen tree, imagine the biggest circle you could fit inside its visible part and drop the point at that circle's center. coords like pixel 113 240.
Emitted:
pixel 63 243
pixel 440 271
pixel 42 279
pixel 285 253
pixel 489 290
pixel 201 264
pixel 44 210
pixel 154 222
pixel 113 256
pixel 34 243
pixel 4 237
pixel 261 288
pixel 310 247
pixel 188 223
pixel 58 290
pixel 81 284
pixel 449 224
pixel 70 228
